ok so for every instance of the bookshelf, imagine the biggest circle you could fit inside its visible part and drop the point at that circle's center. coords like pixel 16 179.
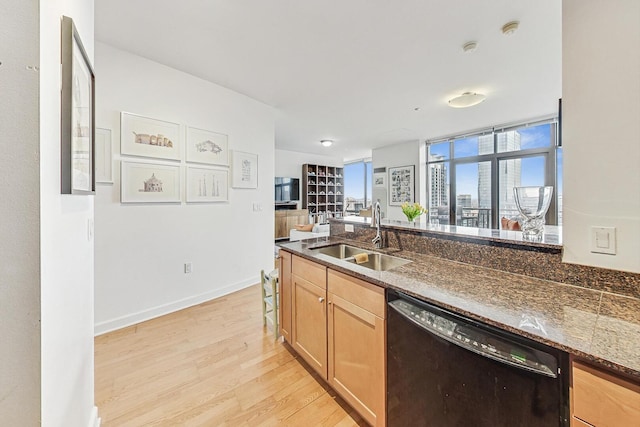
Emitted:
pixel 323 190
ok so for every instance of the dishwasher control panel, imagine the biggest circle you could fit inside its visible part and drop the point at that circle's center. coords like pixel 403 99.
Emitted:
pixel 478 340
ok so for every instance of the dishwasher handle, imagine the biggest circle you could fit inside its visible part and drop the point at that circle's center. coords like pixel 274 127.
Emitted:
pixel 473 338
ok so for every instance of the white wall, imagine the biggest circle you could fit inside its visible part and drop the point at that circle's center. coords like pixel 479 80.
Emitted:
pixel 20 212
pixel 66 250
pixel 141 249
pixel 601 129
pixel 289 163
pixel 405 154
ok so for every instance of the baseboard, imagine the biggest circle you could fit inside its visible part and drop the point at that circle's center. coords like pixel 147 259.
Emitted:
pixel 94 420
pixel 161 310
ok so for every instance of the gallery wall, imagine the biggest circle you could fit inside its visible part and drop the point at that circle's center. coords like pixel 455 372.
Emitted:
pixel 601 129
pixel 66 244
pixel 20 213
pixel 141 248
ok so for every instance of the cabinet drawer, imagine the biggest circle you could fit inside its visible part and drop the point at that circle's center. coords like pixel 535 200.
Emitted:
pixel 358 292
pixel 310 271
pixel 577 422
pixel 602 399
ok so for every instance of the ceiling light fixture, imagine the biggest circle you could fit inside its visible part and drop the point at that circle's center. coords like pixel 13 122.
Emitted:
pixel 326 142
pixel 467 99
pixel 510 27
pixel 469 46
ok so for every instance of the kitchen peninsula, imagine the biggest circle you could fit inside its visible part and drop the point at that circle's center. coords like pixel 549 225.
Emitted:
pixel 519 287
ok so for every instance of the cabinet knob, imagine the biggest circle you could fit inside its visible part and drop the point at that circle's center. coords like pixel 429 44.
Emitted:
pixel 320 299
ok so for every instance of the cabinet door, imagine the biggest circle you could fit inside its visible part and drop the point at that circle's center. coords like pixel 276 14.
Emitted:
pixel 309 323
pixel 357 346
pixel 285 295
pixel 577 422
pixel 281 229
pixel 602 399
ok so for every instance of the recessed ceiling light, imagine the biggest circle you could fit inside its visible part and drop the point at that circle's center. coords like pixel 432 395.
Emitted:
pixel 467 99
pixel 326 142
pixel 469 46
pixel 510 28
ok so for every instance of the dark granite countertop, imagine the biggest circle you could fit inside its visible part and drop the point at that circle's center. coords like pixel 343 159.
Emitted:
pixel 551 238
pixel 597 326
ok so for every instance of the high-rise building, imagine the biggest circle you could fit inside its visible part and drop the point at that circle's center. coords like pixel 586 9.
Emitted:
pixel 463 201
pixel 438 182
pixel 509 171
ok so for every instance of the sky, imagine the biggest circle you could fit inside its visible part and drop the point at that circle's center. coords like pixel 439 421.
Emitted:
pixel 467 174
pixel 532 167
pixel 354 180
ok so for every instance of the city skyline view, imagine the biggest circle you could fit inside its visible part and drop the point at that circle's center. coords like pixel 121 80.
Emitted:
pixel 473 178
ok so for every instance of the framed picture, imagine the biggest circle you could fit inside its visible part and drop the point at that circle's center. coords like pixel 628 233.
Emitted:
pixel 150 183
pixel 378 179
pixel 401 185
pixel 143 136
pixel 204 146
pixel 244 169
pixel 104 156
pixel 77 128
pixel 206 185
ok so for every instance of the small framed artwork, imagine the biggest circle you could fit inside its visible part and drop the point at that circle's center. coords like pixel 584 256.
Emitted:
pixel 150 183
pixel 204 146
pixel 104 156
pixel 143 136
pixel 401 185
pixel 207 185
pixel 244 170
pixel 77 128
pixel 378 179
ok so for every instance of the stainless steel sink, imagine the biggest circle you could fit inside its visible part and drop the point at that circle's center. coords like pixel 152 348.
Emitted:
pixel 342 251
pixel 376 261
pixel 382 262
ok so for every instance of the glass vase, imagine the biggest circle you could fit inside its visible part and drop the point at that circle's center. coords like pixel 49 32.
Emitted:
pixel 532 203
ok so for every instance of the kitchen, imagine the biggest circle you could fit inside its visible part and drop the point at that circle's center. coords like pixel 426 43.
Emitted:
pixel 592 39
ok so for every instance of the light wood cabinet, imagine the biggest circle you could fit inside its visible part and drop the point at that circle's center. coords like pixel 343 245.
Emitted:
pixel 285 295
pixel 577 422
pixel 338 327
pixel 286 219
pixel 601 399
pixel 356 344
pixel 309 313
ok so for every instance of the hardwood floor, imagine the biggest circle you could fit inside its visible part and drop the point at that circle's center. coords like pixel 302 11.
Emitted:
pixel 210 365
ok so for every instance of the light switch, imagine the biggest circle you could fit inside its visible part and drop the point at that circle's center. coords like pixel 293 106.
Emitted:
pixel 603 240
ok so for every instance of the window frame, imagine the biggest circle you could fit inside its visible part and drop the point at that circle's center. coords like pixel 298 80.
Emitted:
pixel 549 153
pixel 367 185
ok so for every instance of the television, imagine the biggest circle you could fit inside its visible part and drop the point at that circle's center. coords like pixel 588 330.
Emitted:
pixel 287 189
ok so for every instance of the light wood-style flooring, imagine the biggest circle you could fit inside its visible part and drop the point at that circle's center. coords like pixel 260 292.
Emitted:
pixel 210 365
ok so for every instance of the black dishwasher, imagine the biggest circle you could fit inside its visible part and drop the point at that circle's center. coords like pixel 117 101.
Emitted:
pixel 444 370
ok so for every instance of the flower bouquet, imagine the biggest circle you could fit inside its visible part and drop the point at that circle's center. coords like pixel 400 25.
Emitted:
pixel 412 211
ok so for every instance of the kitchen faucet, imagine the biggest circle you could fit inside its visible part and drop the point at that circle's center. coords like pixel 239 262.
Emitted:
pixel 377 241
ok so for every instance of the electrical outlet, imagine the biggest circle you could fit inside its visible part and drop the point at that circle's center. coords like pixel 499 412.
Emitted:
pixel 348 228
pixel 188 267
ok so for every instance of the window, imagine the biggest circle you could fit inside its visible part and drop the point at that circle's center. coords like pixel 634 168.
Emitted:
pixel 471 177
pixel 358 178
